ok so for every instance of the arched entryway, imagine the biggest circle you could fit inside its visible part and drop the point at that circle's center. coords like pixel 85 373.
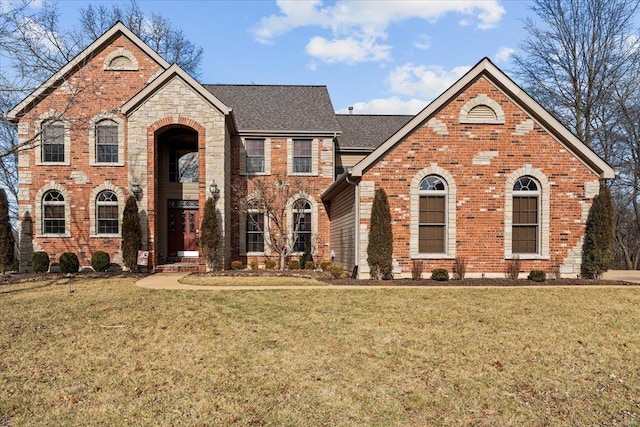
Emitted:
pixel 177 193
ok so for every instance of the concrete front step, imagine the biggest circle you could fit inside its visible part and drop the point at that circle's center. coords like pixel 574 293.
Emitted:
pixel 178 267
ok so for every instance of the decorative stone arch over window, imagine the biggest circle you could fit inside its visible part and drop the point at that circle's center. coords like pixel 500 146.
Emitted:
pixel 544 196
pixel 314 218
pixel 243 232
pixel 106 186
pixel 45 119
pixel 482 109
pixel 39 219
pixel 450 213
pixel 120 59
pixel 97 120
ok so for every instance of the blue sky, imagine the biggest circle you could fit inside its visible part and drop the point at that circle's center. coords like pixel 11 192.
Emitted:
pixel 378 56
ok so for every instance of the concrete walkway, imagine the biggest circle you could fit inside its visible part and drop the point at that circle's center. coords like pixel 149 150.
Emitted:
pixel 171 281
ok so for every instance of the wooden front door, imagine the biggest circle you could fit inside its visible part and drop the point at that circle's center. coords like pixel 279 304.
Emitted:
pixel 182 233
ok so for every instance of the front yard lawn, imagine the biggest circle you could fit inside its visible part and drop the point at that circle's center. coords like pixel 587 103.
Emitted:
pixel 113 354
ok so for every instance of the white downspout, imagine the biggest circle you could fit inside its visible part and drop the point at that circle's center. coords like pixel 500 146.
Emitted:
pixel 357 222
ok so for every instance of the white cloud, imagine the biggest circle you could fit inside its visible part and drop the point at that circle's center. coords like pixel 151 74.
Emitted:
pixel 347 50
pixel 363 23
pixel 423 81
pixel 393 105
pixel 423 42
pixel 504 54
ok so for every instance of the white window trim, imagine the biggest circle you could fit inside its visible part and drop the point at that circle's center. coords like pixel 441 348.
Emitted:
pixel 315 154
pixel 267 157
pixel 450 213
pixel 53 117
pixel 53 185
pixel 92 139
pixel 314 220
pixel 544 197
pixel 107 185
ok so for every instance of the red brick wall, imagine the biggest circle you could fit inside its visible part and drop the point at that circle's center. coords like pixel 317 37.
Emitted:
pixel 481 188
pixel 316 185
pixel 99 91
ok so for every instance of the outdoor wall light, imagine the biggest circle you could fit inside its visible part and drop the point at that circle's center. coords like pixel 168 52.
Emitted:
pixel 136 190
pixel 215 191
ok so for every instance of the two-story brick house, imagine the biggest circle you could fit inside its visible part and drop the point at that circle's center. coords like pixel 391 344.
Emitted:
pixel 483 172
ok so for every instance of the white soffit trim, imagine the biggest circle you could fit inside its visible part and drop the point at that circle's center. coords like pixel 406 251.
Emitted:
pixel 161 80
pixel 520 97
pixel 118 28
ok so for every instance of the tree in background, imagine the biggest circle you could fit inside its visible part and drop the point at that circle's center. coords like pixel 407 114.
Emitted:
pixel 7 242
pixel 209 234
pixel 581 62
pixel 34 46
pixel 380 248
pixel 131 234
pixel 597 251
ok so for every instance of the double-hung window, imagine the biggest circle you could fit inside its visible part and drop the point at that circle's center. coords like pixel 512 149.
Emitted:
pixel 106 141
pixel 432 224
pixel 53 208
pixel 53 142
pixel 525 225
pixel 255 232
pixel 302 225
pixel 302 156
pixel 255 155
pixel 107 213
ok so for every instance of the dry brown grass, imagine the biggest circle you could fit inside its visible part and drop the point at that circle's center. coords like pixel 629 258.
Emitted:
pixel 204 280
pixel 113 354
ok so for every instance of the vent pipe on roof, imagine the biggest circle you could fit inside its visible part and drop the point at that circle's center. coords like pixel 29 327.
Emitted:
pixel 350 110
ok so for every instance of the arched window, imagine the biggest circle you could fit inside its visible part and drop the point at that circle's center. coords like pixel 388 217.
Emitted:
pixel 432 222
pixel 526 216
pixel 53 217
pixel 107 213
pixel 106 134
pixel 302 225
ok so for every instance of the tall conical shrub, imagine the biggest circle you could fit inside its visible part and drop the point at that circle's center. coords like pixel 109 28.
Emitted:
pixel 597 251
pixel 209 234
pixel 131 234
pixel 7 242
pixel 380 249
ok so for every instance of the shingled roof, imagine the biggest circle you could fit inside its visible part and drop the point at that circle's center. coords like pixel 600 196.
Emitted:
pixel 299 109
pixel 366 132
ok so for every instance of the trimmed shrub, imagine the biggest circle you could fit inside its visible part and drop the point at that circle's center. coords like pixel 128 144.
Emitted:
pixel 270 264
pixel 210 234
pixel 324 265
pixel 597 250
pixel 40 262
pixel 537 276
pixel 309 265
pixel 69 263
pixel 100 261
pixel 335 269
pixel 380 248
pixel 7 242
pixel 440 274
pixel 253 263
pixel 294 264
pixel 131 234
pixel 306 257
pixel 236 265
